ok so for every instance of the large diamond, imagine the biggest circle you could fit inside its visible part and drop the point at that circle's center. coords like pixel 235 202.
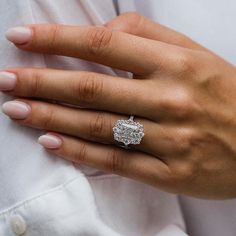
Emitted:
pixel 128 132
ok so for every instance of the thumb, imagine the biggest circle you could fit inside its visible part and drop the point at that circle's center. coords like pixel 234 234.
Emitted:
pixel 136 24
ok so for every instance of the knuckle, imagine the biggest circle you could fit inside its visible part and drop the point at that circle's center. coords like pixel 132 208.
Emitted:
pixel 180 104
pixel 48 117
pixel 208 81
pixel 80 154
pixel 99 40
pixel 159 176
pixel 178 107
pixel 186 64
pixel 34 82
pixel 167 104
pixel 183 140
pixel 129 22
pixel 115 162
pixel 185 173
pixel 53 36
pixel 183 110
pixel 88 89
pixel 134 22
pixel 132 19
pixel 99 126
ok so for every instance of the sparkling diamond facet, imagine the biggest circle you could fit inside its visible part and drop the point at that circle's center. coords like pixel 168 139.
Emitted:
pixel 128 132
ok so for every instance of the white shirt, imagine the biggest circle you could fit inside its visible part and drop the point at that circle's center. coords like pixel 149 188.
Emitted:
pixel 43 195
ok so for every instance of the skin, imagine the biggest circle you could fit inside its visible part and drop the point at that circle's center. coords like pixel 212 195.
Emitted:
pixel 182 93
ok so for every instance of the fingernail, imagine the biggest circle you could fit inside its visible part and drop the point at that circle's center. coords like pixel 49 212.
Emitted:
pixel 7 81
pixel 16 109
pixel 19 35
pixel 50 141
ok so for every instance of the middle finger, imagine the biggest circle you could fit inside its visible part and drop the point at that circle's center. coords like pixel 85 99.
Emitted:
pixel 86 89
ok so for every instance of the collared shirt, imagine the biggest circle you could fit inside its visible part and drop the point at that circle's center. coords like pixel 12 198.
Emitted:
pixel 44 195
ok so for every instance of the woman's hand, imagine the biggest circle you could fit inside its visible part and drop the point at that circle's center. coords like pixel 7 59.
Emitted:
pixel 183 94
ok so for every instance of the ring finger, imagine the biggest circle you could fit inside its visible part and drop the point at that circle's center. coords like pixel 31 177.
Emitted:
pixel 86 124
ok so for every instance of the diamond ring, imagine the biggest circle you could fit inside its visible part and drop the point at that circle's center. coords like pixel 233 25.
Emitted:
pixel 128 132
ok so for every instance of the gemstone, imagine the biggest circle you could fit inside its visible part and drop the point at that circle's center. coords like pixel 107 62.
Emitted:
pixel 128 132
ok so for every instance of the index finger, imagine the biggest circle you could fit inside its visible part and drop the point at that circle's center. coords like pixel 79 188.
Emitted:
pixel 98 44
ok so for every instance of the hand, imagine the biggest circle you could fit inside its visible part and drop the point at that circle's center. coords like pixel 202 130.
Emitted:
pixel 183 94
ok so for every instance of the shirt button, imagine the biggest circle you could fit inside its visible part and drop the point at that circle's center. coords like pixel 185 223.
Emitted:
pixel 18 224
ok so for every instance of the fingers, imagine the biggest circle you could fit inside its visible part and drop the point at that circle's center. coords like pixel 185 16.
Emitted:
pixel 136 24
pixel 160 100
pixel 90 125
pixel 111 159
pixel 98 44
pixel 85 89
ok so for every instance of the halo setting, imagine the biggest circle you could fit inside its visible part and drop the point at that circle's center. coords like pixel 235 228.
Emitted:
pixel 128 131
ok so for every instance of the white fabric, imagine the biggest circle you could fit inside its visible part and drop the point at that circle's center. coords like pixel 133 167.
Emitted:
pixel 54 197
pixel 51 196
pixel 211 23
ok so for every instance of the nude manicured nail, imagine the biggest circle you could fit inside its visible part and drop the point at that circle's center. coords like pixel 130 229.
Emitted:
pixel 7 81
pixel 19 35
pixel 50 141
pixel 16 109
